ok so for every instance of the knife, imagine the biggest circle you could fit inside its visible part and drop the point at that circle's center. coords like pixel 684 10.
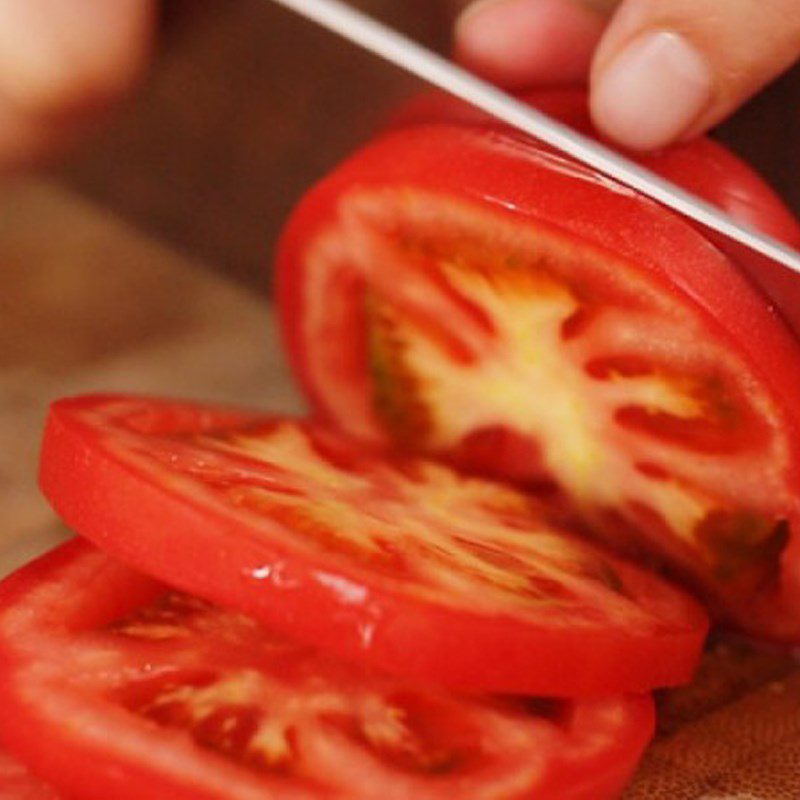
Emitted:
pixel 383 41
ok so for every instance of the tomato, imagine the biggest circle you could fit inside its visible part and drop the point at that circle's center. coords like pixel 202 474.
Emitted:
pixel 114 686
pixel 401 563
pixel 459 291
pixel 16 783
pixel 702 165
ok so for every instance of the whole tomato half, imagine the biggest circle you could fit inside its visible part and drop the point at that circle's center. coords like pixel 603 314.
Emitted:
pixel 116 687
pixel 456 289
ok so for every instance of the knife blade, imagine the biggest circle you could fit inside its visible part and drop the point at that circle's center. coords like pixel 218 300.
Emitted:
pixel 391 45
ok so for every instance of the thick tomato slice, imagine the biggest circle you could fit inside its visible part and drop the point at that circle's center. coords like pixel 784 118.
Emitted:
pixel 17 783
pixel 401 563
pixel 702 165
pixel 114 686
pixel 458 291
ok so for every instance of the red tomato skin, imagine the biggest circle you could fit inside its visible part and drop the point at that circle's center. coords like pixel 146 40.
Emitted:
pixel 494 654
pixel 64 756
pixel 703 166
pixel 497 170
pixel 512 177
pixel 67 752
pixel 128 765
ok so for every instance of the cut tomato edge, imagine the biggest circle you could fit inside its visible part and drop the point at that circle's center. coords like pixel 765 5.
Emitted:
pixel 402 634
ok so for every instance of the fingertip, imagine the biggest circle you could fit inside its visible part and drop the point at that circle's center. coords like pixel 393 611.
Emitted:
pixel 522 42
pixel 64 57
pixel 652 92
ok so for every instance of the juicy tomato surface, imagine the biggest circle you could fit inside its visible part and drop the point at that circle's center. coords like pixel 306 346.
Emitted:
pixel 702 165
pixel 115 686
pixel 17 783
pixel 459 291
pixel 398 562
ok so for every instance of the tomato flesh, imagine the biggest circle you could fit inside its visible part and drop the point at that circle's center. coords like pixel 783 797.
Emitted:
pixel 125 688
pixel 17 783
pixel 399 562
pixel 543 372
pixel 702 165
pixel 452 287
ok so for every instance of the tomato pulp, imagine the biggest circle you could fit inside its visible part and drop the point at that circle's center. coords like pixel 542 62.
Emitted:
pixel 17 783
pixel 457 290
pixel 396 561
pixel 114 686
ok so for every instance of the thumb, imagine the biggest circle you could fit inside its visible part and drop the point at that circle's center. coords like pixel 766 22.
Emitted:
pixel 665 71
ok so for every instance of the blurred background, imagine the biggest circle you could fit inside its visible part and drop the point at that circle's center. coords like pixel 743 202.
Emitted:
pixel 247 105
pixel 140 261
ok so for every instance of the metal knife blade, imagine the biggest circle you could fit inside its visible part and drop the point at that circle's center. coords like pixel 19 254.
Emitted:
pixel 383 41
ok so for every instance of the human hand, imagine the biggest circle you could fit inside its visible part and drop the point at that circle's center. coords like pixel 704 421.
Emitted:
pixel 659 70
pixel 62 62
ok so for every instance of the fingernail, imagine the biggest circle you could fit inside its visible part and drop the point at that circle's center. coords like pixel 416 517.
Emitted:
pixel 529 41
pixel 652 92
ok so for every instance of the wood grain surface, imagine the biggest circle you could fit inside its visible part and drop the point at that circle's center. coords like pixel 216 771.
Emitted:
pixel 90 304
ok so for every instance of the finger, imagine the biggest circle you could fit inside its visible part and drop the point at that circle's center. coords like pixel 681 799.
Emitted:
pixel 62 61
pixel 668 70
pixel 528 42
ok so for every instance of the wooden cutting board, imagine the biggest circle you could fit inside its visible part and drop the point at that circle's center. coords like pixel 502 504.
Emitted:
pixel 89 304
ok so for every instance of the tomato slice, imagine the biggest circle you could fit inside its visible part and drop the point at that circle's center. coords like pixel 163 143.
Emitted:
pixel 114 686
pixel 401 563
pixel 17 783
pixel 702 165
pixel 458 291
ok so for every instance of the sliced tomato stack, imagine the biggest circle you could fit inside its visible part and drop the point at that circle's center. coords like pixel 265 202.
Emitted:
pixel 527 380
pixel 410 632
